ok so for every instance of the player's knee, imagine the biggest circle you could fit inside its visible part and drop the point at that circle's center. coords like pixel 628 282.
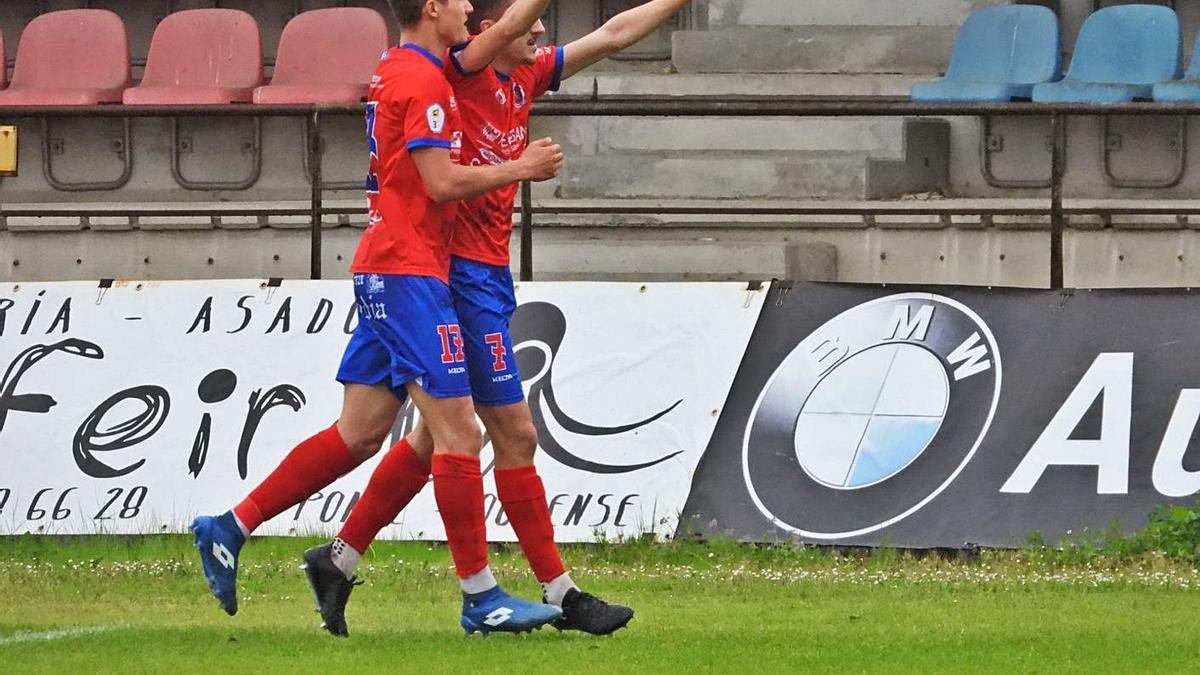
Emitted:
pixel 517 446
pixel 365 443
pixel 463 440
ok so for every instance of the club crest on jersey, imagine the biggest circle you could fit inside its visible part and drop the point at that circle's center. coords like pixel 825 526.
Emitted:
pixel 519 98
pixel 435 115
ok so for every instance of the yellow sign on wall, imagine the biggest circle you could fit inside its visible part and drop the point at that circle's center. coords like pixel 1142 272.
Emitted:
pixel 8 151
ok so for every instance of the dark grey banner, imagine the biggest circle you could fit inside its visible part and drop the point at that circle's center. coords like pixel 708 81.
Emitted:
pixel 950 417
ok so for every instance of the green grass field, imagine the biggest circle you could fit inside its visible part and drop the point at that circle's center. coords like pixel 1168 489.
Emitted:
pixel 140 605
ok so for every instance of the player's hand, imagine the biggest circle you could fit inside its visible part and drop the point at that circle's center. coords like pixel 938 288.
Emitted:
pixel 542 160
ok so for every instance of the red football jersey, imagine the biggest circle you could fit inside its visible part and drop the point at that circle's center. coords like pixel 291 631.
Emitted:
pixel 495 115
pixel 411 106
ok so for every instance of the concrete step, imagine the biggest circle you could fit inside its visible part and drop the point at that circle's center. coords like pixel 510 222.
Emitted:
pixel 724 13
pixel 779 159
pixel 717 176
pixel 637 258
pixel 816 49
pixel 744 84
pixel 877 137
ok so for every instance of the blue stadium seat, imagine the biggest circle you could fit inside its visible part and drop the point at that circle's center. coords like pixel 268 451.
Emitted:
pixel 1122 52
pixel 1187 89
pixel 1001 53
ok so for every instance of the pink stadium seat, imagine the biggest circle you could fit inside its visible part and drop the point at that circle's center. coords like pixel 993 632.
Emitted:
pixel 201 56
pixel 326 56
pixel 72 57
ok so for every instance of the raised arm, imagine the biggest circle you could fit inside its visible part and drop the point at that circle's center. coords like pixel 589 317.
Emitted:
pixel 620 32
pixel 448 181
pixel 517 21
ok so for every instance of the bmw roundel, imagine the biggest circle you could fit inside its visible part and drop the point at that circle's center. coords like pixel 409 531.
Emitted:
pixel 871 416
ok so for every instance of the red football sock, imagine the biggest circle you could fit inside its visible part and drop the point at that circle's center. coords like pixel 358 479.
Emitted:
pixel 458 489
pixel 308 468
pixel 524 499
pixel 396 481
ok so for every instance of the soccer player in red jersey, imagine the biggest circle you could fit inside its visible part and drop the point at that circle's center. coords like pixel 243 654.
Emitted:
pixel 495 103
pixel 409 341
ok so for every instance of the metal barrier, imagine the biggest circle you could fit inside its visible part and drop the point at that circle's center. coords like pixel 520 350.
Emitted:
pixel 563 106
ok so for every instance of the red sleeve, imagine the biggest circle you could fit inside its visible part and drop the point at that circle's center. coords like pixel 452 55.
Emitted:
pixel 427 114
pixel 452 72
pixel 547 70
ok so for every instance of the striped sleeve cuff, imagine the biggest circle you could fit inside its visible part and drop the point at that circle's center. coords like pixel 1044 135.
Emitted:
pixel 428 143
pixel 559 60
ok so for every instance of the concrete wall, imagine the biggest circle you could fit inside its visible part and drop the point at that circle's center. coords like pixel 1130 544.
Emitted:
pixel 981 252
pixel 723 47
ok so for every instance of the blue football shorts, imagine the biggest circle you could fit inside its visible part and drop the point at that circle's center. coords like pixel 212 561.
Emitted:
pixel 485 301
pixel 407 332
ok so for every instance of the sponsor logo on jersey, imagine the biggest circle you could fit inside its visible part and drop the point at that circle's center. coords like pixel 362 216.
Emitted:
pixel 514 138
pixel 490 156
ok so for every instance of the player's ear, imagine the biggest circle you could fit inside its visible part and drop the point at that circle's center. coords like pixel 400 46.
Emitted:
pixel 486 24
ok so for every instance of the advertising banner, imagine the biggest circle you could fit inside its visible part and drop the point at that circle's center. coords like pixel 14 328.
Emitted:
pixel 131 408
pixel 955 417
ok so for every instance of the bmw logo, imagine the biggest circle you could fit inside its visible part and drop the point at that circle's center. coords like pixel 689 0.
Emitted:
pixel 872 416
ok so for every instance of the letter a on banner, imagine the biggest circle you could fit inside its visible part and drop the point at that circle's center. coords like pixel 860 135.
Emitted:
pixel 1111 375
pixel 1170 478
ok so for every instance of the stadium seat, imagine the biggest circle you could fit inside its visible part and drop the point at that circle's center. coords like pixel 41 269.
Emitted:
pixel 1187 89
pixel 199 57
pixel 1122 52
pixel 72 57
pixel 326 56
pixel 1001 53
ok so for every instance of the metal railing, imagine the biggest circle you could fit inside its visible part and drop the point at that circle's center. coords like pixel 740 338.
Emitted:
pixel 563 106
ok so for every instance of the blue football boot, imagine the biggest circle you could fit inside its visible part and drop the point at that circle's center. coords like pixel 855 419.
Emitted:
pixel 219 540
pixel 495 611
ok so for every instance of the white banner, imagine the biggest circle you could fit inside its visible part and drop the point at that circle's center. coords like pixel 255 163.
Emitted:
pixel 134 408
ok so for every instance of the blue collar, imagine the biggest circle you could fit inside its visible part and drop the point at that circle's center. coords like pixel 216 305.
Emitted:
pixel 502 76
pixel 421 50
